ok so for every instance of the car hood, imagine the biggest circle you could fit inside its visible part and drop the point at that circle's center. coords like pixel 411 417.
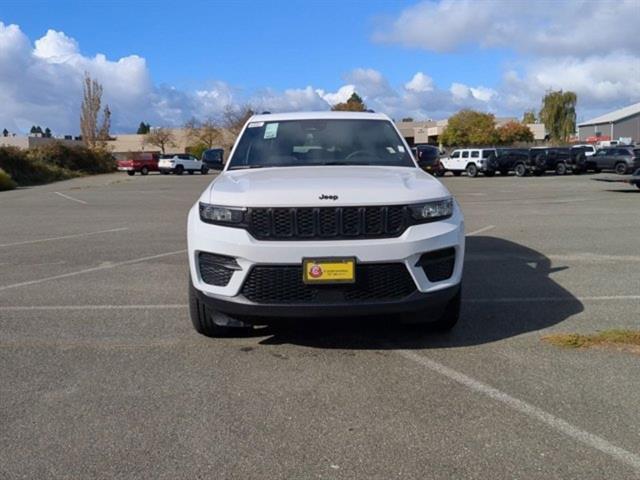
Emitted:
pixel 323 186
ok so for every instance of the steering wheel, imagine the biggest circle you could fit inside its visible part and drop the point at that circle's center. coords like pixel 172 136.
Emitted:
pixel 358 153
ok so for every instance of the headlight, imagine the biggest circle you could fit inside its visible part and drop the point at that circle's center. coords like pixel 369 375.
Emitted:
pixel 217 214
pixel 430 211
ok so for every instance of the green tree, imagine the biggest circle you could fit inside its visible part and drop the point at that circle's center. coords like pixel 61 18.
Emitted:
pixel 33 130
pixel 143 128
pixel 407 119
pixel 529 117
pixel 5 133
pixel 354 104
pixel 47 132
pixel 512 132
pixel 558 114
pixel 468 127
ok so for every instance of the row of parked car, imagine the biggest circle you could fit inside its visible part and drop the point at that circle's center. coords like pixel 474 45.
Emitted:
pixel 178 163
pixel 524 161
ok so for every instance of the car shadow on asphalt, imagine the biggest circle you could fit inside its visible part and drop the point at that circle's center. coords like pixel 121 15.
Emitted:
pixel 508 290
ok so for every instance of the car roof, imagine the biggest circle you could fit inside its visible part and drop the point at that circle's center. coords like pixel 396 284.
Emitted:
pixel 326 115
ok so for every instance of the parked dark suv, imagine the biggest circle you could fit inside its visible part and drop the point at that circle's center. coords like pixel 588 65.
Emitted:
pixel 428 158
pixel 511 160
pixel 213 158
pixel 542 160
pixel 620 159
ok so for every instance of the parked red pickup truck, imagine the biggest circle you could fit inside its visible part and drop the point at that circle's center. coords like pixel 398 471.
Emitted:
pixel 143 162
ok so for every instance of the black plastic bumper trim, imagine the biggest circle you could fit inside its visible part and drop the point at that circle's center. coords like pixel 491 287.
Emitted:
pixel 239 305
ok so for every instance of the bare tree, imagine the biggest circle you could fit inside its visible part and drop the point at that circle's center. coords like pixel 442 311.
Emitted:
pixel 103 133
pixel 160 137
pixel 206 133
pixel 234 118
pixel 91 99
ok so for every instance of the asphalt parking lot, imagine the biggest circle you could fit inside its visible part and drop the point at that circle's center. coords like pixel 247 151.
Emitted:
pixel 102 374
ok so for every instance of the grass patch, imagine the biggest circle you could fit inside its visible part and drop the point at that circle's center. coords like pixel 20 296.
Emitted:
pixel 627 339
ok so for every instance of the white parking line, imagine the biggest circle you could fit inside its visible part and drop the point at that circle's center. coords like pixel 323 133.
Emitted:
pixel 71 198
pixel 481 230
pixel 89 270
pixel 64 237
pixel 30 308
pixel 550 299
pixel 558 424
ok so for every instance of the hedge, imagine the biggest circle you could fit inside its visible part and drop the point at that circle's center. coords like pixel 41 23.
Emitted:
pixel 6 183
pixel 53 162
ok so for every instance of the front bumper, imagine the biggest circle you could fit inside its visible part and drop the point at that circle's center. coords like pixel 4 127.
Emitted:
pixel 249 252
pixel 433 303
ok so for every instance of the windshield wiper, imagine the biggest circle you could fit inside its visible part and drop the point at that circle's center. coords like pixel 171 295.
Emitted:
pixel 243 167
pixel 336 163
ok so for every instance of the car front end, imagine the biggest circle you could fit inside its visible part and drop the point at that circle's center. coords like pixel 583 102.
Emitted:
pixel 326 240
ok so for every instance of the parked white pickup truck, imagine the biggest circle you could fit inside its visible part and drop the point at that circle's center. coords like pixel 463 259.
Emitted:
pixel 181 162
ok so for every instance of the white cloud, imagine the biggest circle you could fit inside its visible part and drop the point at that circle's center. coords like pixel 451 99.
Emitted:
pixel 558 27
pixel 340 96
pixel 420 83
pixel 56 46
pixel 299 99
pixel 589 47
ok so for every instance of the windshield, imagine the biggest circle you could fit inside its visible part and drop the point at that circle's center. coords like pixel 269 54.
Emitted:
pixel 320 142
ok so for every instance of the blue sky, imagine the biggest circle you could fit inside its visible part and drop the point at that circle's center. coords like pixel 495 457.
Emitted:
pixel 168 61
pixel 249 44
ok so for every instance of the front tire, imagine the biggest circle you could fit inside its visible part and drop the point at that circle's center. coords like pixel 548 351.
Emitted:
pixel 520 170
pixel 179 170
pixel 472 170
pixel 204 171
pixel 621 168
pixel 144 171
pixel 203 318
pixel 561 169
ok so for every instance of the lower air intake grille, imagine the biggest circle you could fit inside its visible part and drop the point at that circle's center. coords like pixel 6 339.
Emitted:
pixel 438 265
pixel 216 269
pixel 278 284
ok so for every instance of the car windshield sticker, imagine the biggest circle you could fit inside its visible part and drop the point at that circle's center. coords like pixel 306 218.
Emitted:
pixel 271 131
pixel 255 124
pixel 400 148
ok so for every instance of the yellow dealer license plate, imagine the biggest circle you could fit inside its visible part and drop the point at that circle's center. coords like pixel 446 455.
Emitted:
pixel 329 270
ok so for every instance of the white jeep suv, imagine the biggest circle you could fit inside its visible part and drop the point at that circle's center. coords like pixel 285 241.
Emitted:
pixel 323 214
pixel 181 162
pixel 472 161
